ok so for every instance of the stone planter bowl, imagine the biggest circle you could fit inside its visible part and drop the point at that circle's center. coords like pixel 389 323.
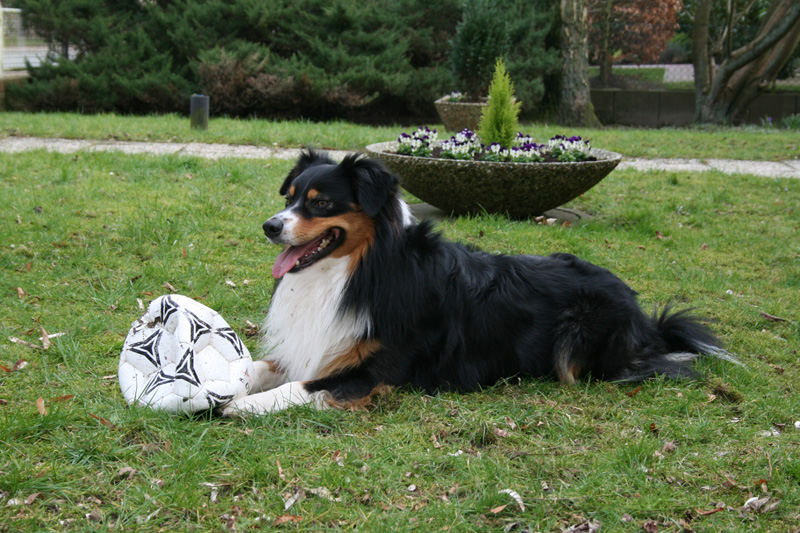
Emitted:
pixel 519 190
pixel 457 116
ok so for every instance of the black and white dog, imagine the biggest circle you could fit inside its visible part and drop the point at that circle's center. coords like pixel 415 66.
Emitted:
pixel 368 300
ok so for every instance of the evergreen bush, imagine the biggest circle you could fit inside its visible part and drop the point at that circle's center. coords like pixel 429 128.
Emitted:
pixel 534 57
pixel 481 37
pixel 499 122
pixel 299 58
pixel 523 32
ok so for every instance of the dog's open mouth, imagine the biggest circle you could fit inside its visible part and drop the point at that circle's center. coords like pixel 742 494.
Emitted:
pixel 296 258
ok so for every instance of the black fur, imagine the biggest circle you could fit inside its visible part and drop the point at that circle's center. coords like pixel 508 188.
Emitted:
pixel 451 317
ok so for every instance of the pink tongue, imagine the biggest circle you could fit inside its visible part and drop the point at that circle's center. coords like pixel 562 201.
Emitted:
pixel 288 258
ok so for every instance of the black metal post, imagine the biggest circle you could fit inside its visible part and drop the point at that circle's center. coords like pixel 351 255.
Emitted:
pixel 198 111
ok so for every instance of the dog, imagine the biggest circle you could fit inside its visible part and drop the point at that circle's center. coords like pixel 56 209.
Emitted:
pixel 368 300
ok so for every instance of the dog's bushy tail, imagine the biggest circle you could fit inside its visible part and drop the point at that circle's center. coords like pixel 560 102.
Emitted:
pixel 685 339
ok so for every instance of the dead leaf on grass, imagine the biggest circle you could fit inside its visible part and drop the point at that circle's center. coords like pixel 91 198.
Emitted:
pixel 760 505
pixel 516 497
pixel 21 294
pixel 701 512
pixel 40 406
pixel 590 526
pixel 16 340
pixel 634 392
pixel 45 339
pixel 498 509
pixel 64 398
pixel 229 521
pixel 280 470
pixel 285 519
pixel 772 317
pixel 32 498
pixel 651 526
pixel 102 421
pixel 251 329
pixel 169 286
pixel 322 492
pixel 126 472
pixel 214 491
pixel 337 458
pixel 290 499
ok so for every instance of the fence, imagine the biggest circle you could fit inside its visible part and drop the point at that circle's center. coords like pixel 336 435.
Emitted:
pixel 676 108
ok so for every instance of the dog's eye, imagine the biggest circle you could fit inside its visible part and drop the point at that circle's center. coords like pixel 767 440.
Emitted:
pixel 321 204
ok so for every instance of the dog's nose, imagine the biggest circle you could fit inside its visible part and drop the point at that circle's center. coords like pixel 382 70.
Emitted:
pixel 273 227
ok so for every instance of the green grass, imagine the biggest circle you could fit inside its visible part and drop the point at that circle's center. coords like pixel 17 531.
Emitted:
pixel 86 235
pixel 696 142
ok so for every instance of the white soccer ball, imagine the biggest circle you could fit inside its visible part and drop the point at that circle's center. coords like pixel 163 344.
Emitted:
pixel 182 357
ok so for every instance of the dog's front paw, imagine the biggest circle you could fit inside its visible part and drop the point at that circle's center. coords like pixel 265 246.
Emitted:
pixel 277 399
pixel 232 411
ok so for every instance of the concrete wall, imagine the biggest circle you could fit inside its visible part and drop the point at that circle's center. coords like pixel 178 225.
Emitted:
pixel 676 108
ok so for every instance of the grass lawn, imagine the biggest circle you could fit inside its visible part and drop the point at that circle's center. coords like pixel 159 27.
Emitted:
pixel 86 236
pixel 697 142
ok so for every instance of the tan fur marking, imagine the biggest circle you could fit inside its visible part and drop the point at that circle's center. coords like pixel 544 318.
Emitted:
pixel 358 227
pixel 360 235
pixel 570 377
pixel 352 358
pixel 306 230
pixel 273 366
pixel 312 193
pixel 360 404
pixel 292 190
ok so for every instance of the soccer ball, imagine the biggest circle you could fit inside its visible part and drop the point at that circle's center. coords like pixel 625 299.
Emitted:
pixel 182 357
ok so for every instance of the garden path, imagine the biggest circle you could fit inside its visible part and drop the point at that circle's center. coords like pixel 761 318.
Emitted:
pixel 768 169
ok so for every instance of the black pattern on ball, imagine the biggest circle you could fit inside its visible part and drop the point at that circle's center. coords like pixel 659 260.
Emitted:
pixel 229 335
pixel 185 369
pixel 199 327
pixel 168 307
pixel 217 400
pixel 149 348
pixel 162 378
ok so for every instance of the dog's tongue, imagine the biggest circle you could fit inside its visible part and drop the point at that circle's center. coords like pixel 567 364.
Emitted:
pixel 289 257
pixel 286 261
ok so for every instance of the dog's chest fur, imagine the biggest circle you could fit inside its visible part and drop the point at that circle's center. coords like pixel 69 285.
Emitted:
pixel 304 329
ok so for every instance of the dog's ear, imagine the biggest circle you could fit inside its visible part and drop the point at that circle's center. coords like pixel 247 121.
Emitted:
pixel 373 184
pixel 308 158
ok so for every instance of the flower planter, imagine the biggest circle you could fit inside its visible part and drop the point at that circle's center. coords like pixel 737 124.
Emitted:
pixel 520 190
pixel 457 116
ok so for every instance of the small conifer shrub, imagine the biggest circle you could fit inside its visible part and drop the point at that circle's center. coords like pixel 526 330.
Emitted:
pixel 499 122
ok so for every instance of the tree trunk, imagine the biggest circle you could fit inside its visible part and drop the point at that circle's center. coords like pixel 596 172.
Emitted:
pixel 701 56
pixel 604 52
pixel 575 105
pixel 724 95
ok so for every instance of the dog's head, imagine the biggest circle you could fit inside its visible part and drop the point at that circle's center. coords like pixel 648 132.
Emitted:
pixel 332 210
